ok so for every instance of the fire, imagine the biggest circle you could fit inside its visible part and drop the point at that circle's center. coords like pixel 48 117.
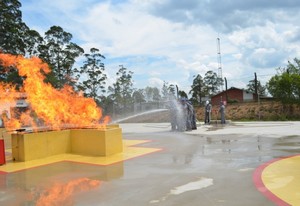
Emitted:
pixel 49 106
pixel 61 194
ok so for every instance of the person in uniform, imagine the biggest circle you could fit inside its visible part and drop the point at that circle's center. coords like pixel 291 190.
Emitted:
pixel 207 112
pixel 222 112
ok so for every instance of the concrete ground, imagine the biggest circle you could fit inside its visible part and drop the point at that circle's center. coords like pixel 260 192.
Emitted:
pixel 215 165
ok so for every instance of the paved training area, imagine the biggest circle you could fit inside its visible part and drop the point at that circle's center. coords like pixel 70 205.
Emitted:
pixel 241 163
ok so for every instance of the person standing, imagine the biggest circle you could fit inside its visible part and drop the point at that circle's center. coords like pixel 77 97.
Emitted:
pixel 207 112
pixel 222 112
pixel 190 116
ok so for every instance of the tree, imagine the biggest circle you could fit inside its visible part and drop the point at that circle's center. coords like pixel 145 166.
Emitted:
pixel 93 75
pixel 15 38
pixel 121 91
pixel 172 89
pixel 11 26
pixel 156 95
pixel 212 83
pixel 152 94
pixel 198 89
pixel 32 40
pixel 168 91
pixel 182 94
pixel 164 91
pixel 286 84
pixel 139 96
pixel 60 53
pixel 261 90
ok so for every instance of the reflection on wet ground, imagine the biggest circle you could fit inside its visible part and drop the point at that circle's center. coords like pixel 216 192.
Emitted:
pixel 54 184
pixel 223 163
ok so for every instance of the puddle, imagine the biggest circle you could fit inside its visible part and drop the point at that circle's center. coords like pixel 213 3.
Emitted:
pixel 203 182
pixel 197 185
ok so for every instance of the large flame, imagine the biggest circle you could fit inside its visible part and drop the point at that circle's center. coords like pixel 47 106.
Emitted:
pixel 48 106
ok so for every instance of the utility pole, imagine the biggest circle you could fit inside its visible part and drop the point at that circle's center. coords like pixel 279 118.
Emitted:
pixel 226 89
pixel 177 91
pixel 256 92
pixel 255 85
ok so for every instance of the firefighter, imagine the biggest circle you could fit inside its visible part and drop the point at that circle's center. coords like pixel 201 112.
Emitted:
pixel 207 112
pixel 191 122
pixel 222 112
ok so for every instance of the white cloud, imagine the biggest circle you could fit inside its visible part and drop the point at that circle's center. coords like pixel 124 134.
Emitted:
pixel 161 40
pixel 155 82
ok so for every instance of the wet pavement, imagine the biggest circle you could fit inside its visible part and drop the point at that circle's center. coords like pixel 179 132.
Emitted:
pixel 211 166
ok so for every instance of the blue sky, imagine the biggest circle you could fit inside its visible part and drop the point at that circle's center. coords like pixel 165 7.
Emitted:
pixel 168 40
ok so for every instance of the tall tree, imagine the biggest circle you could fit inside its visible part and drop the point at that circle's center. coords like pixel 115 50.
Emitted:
pixel 11 26
pixel 32 40
pixel 212 82
pixel 156 95
pixel 198 89
pixel 122 89
pixel 168 91
pixel 60 53
pixel 15 38
pixel 139 96
pixel 152 94
pixel 164 91
pixel 94 78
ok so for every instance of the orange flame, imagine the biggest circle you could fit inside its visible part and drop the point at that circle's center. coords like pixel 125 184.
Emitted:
pixel 55 108
pixel 61 194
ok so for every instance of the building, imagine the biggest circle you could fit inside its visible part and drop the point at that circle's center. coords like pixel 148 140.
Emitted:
pixel 233 94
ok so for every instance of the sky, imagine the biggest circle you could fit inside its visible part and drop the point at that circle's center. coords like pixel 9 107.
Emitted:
pixel 174 40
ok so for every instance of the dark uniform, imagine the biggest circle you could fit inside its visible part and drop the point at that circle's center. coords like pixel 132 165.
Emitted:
pixel 222 112
pixel 207 112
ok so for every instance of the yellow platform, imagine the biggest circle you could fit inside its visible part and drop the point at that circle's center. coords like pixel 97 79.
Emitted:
pixel 130 150
pixel 91 142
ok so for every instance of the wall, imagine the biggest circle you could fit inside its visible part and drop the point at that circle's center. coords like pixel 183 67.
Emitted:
pixel 268 110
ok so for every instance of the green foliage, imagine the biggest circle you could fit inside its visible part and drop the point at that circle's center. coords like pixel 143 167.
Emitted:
pixel 121 91
pixel 12 31
pixel 139 96
pixel 60 53
pixel 182 94
pixel 94 78
pixel 152 94
pixel 261 90
pixel 198 90
pixel 207 86
pixel 212 83
pixel 11 26
pixel 168 91
pixel 285 85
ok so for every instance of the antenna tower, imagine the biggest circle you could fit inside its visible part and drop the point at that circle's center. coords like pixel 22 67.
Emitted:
pixel 219 62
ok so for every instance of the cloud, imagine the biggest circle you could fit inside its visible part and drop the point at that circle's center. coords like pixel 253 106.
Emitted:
pixel 167 40
pixel 155 82
pixel 224 16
